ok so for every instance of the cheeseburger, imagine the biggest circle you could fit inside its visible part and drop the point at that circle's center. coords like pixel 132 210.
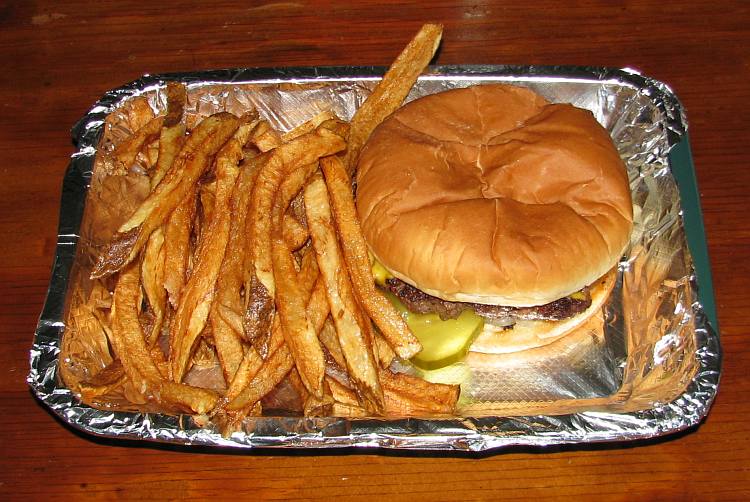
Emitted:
pixel 495 211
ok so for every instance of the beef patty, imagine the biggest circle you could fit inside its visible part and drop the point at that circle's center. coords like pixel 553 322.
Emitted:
pixel 419 302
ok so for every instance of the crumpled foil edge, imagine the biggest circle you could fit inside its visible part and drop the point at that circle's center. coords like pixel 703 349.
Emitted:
pixel 459 434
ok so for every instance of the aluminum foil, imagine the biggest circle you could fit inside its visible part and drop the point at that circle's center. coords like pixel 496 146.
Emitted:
pixel 651 368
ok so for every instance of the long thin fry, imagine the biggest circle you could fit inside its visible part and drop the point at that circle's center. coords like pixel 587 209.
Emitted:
pixel 301 151
pixel 172 135
pixel 354 344
pixel 177 231
pixel 176 98
pixel 226 310
pixel 126 152
pixel 295 234
pixel 308 125
pixel 179 181
pixel 317 311
pixel 409 395
pixel 152 274
pixel 192 312
pixel 385 315
pixel 270 374
pixel 171 140
pixel 392 89
pixel 132 351
pixel 298 331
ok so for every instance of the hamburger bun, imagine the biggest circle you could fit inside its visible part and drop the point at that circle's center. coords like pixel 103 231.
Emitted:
pixel 490 194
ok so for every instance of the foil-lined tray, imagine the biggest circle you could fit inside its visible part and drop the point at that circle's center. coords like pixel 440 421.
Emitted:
pixel 653 368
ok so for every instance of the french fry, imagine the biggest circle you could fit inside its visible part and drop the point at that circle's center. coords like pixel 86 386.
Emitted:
pixel 330 341
pixel 177 230
pixel 298 331
pixel 308 126
pixel 193 159
pixel 132 351
pixel 410 395
pixel 125 153
pixel 172 135
pixel 265 137
pixel 226 311
pixel 308 272
pixel 354 344
pixel 285 159
pixel 383 351
pixel 152 277
pixel 273 370
pixel 295 234
pixel 171 140
pixel 191 315
pixel 176 98
pixel 385 315
pixel 341 393
pixel 391 90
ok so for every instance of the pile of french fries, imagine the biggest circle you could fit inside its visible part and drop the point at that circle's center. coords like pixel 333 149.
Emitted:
pixel 247 253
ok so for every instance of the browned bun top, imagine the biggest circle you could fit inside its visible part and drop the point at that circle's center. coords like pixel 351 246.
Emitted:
pixel 491 194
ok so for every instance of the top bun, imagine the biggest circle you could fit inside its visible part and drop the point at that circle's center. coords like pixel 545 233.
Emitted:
pixel 491 194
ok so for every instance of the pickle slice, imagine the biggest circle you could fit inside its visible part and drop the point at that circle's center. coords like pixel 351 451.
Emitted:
pixel 444 342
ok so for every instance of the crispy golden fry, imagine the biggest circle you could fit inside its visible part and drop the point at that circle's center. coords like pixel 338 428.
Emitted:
pixel 171 140
pixel 132 351
pixel 330 341
pixel 319 406
pixel 207 199
pixel 308 272
pixel 274 369
pixel 341 393
pixel 191 315
pixel 128 342
pixel 410 395
pixel 249 367
pixel 299 334
pixel 317 306
pixel 392 89
pixel 151 151
pixel 152 277
pixel 108 379
pixel 259 311
pixel 383 351
pixel 227 309
pixel 225 316
pixel 309 125
pixel 176 98
pixel 265 137
pixel 177 232
pixel 385 315
pixel 347 411
pixel 295 234
pixel 285 159
pixel 345 311
pixel 200 147
pixel 125 153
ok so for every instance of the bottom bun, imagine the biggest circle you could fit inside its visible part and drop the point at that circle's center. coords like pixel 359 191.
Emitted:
pixel 526 335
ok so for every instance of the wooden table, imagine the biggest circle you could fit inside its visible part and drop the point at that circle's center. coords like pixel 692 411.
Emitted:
pixel 59 57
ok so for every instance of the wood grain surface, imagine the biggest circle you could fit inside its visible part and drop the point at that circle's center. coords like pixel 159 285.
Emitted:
pixel 58 58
